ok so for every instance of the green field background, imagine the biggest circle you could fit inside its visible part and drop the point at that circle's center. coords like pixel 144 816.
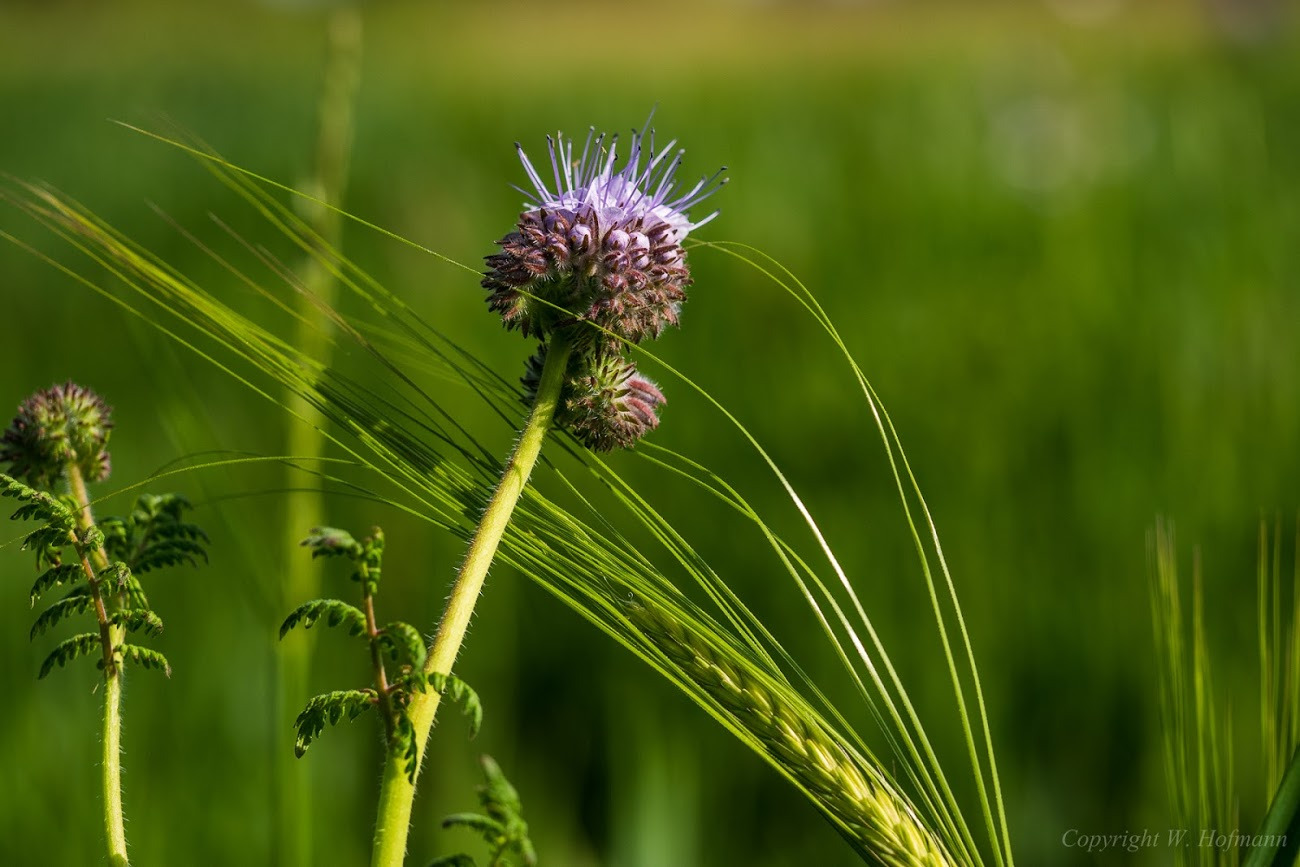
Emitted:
pixel 1062 239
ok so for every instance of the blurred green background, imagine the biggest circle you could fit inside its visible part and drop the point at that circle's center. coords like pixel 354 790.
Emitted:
pixel 1060 237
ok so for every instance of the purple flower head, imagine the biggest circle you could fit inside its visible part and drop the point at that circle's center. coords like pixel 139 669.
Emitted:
pixel 62 426
pixel 603 244
pixel 642 191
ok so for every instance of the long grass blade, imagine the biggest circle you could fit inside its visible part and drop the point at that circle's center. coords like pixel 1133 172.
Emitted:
pixel 1278 839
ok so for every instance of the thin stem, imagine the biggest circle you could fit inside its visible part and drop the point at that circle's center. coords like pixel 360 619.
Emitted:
pixel 101 612
pixel 398 792
pixel 110 636
pixel 377 660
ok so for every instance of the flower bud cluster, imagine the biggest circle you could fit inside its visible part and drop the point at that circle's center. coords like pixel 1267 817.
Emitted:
pixel 600 259
pixel 61 426
pixel 605 403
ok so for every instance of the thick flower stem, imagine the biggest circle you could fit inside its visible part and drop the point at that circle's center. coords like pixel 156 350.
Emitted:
pixel 398 792
pixel 111 765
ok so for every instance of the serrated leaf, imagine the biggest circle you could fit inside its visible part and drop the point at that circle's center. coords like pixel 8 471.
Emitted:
pixel 114 575
pixel 367 554
pixel 68 650
pixel 460 691
pixel 145 657
pixel 76 602
pixel 11 487
pixel 498 796
pixel 115 533
pixel 400 640
pixel 36 504
pixel 180 530
pixel 153 536
pixel 49 556
pixel 484 825
pixel 412 680
pixel 503 829
pixel 91 538
pixel 329 709
pixel 135 592
pixel 404 743
pixel 335 611
pixel 56 576
pixel 42 511
pixel 138 620
pixel 331 542
pixel 163 553
pixel 45 537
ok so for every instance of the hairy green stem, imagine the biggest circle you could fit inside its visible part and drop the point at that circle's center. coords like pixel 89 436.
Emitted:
pixel 112 763
pixel 110 636
pixel 398 792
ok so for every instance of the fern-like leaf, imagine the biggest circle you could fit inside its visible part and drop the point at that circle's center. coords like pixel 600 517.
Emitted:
pixel 134 592
pixel 400 640
pixel 503 828
pixel 163 553
pixel 47 537
pixel 68 650
pixel 115 574
pixel 145 657
pixel 461 692
pixel 331 542
pixel 154 536
pixel 47 510
pixel 91 538
pixel 335 612
pixel 138 620
pixel 367 553
pixel 56 576
pixel 498 796
pixel 403 742
pixel 77 601
pixel 36 505
pixel 485 825
pixel 49 556
pixel 328 709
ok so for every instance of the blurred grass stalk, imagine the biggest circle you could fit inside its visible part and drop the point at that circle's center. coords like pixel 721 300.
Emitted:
pixel 1197 727
pixel 304 505
pixel 1279 657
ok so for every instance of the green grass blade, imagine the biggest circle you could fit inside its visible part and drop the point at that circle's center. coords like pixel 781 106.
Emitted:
pixel 1281 823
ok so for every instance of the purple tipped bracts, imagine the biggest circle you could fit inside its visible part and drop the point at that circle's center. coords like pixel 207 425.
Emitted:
pixel 605 403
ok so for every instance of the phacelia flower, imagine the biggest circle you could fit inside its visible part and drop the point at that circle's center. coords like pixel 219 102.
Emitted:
pixel 60 426
pixel 604 402
pixel 603 245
